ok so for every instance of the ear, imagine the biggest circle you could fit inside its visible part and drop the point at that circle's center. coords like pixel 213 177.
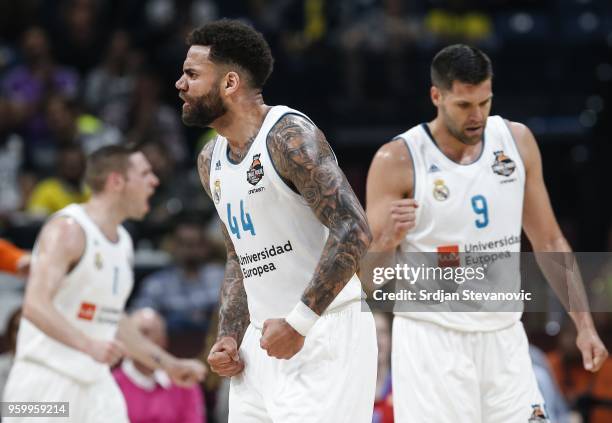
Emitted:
pixel 231 82
pixel 436 95
pixel 115 181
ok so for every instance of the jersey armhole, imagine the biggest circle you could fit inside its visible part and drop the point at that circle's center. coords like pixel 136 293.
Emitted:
pixel 77 263
pixel 516 147
pixel 411 155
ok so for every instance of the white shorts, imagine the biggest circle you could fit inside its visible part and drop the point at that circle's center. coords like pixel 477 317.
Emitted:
pixel 442 375
pixel 99 402
pixel 332 379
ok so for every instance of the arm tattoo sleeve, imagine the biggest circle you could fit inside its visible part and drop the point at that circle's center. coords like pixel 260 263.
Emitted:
pixel 303 157
pixel 233 311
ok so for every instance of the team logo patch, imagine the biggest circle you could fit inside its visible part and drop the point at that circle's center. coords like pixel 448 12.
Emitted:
pixel 440 191
pixel 537 414
pixel 503 165
pixel 255 172
pixel 87 311
pixel 98 261
pixel 217 191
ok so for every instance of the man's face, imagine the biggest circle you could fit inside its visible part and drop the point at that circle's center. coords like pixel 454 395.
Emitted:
pixel 140 183
pixel 464 109
pixel 199 89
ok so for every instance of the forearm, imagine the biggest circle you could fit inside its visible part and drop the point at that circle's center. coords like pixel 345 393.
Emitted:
pixel 233 312
pixel 560 267
pixel 43 314
pixel 344 249
pixel 140 348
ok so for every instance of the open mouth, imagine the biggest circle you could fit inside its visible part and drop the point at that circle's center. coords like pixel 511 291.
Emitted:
pixel 473 130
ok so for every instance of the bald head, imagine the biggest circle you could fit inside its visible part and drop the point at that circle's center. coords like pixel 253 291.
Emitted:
pixel 151 324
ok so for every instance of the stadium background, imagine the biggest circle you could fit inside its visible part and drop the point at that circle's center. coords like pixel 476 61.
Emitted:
pixel 358 68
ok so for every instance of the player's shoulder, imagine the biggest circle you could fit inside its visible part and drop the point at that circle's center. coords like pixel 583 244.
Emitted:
pixel 525 141
pixel 394 153
pixel 63 234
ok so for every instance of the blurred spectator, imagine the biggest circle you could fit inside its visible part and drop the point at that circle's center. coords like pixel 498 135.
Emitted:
pixel 383 401
pixel 385 30
pixel 79 32
pixel 186 293
pixel 145 118
pixel 13 259
pixel 458 21
pixel 556 407
pixel 66 187
pixel 11 162
pixel 179 191
pixel 149 394
pixel 27 86
pixel 114 78
pixel 588 393
pixel 6 358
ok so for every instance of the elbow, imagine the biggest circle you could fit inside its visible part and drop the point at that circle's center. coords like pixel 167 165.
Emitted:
pixel 29 310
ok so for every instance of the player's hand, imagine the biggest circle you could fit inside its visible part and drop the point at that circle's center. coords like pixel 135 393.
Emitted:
pixel 593 351
pixel 106 352
pixel 224 358
pixel 186 373
pixel 279 339
pixel 400 219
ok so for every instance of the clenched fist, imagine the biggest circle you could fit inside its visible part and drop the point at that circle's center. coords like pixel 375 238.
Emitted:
pixel 401 217
pixel 224 358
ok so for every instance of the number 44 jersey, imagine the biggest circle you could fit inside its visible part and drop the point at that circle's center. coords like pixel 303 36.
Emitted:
pixel 277 237
pixel 468 212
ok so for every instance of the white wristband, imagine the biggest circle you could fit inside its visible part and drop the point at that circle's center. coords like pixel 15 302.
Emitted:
pixel 302 318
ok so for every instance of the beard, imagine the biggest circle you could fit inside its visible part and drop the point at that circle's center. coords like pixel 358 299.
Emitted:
pixel 203 111
pixel 456 132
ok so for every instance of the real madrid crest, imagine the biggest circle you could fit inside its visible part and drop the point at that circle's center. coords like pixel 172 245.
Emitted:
pixel 98 261
pixel 217 191
pixel 503 165
pixel 255 172
pixel 440 191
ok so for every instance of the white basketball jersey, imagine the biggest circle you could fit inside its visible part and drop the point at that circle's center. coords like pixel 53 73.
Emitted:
pixel 91 298
pixel 277 237
pixel 468 208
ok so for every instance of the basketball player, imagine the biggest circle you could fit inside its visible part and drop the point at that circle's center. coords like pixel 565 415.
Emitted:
pixel 81 275
pixel 291 333
pixel 465 177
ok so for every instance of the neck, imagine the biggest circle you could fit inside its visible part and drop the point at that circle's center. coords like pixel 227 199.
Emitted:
pixel 106 214
pixel 241 124
pixel 451 146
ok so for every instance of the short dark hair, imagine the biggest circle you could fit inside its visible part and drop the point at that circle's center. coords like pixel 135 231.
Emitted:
pixel 104 161
pixel 460 62
pixel 236 43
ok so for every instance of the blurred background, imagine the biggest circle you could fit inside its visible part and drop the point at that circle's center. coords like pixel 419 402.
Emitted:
pixel 79 74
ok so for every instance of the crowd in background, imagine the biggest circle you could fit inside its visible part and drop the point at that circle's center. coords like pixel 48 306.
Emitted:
pixel 79 74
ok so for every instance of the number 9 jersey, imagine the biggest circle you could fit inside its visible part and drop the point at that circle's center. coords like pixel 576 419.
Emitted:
pixel 467 211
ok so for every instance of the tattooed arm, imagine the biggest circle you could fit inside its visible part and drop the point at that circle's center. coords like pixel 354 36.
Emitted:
pixel 233 312
pixel 304 158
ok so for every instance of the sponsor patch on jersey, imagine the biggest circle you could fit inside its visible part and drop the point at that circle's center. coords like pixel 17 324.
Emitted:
pixel 87 311
pixel 255 172
pixel 98 261
pixel 440 191
pixel 217 191
pixel 537 414
pixel 448 256
pixel 503 165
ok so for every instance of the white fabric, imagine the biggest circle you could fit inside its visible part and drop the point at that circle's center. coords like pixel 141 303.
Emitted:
pixel 446 376
pixel 143 381
pixel 99 402
pixel 91 298
pixel 277 237
pixel 449 195
pixel 332 379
